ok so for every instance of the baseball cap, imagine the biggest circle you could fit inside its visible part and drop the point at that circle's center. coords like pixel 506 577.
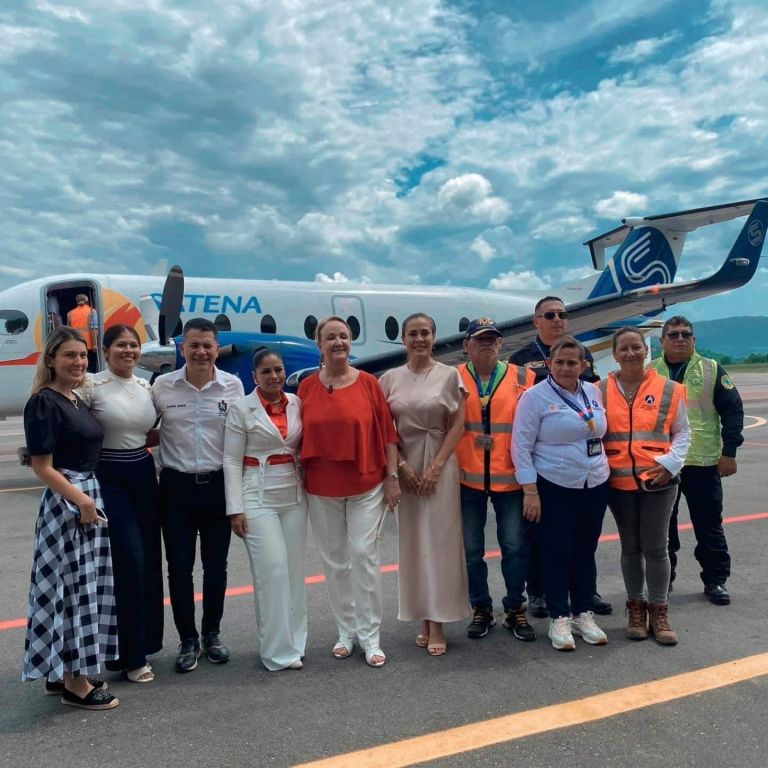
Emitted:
pixel 480 326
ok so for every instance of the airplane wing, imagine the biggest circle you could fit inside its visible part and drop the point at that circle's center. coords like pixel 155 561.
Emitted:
pixel 737 270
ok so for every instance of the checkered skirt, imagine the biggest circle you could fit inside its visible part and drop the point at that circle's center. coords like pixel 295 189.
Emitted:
pixel 71 624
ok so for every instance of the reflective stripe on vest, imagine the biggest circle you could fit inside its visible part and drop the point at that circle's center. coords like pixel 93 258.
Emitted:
pixel 630 451
pixel 472 460
pixel 699 381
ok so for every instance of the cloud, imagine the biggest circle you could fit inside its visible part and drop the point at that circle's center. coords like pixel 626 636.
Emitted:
pixel 338 277
pixel 640 50
pixel 471 194
pixel 518 281
pixel 620 204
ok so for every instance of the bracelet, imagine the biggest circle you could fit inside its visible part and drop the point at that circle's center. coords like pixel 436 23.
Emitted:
pixel 401 464
pixel 530 493
pixel 393 476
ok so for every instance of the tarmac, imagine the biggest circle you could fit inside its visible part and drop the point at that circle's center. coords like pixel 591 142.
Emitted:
pixel 490 702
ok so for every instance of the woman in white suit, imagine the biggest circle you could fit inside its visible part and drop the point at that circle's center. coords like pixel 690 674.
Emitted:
pixel 267 510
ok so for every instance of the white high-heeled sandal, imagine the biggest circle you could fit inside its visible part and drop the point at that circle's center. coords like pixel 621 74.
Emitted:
pixel 345 644
pixel 370 653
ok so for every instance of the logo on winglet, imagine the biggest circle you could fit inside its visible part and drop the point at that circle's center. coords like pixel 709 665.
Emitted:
pixel 755 233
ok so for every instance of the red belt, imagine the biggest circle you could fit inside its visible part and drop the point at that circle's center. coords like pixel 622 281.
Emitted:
pixel 277 458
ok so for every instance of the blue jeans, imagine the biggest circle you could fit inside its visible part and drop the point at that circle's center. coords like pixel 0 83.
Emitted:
pixel 511 531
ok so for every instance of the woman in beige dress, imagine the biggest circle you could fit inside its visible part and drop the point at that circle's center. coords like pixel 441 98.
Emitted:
pixel 427 401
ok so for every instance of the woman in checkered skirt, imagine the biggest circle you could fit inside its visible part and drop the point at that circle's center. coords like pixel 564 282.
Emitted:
pixel 71 627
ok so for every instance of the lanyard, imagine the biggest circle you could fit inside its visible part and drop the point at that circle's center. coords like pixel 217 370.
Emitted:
pixel 544 353
pixel 587 413
pixel 484 393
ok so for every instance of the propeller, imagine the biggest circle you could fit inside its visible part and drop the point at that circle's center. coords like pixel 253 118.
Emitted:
pixel 170 305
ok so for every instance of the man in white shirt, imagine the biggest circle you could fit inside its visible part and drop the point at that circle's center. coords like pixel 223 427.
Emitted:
pixel 192 403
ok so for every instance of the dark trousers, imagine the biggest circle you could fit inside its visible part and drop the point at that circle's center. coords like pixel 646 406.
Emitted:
pixel 190 508
pixel 703 491
pixel 571 522
pixel 534 579
pixel 129 490
pixel 511 532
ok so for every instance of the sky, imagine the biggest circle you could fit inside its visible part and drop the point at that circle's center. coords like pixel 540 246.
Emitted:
pixel 460 142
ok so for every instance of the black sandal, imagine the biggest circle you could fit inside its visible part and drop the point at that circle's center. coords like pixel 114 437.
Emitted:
pixel 57 688
pixel 96 699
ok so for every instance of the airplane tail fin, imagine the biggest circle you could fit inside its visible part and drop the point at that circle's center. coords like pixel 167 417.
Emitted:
pixel 647 256
pixel 650 247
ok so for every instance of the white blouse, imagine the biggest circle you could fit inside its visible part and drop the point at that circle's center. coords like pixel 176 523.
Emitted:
pixel 251 432
pixel 123 407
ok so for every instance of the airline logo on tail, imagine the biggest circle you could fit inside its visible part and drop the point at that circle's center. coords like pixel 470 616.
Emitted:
pixel 644 258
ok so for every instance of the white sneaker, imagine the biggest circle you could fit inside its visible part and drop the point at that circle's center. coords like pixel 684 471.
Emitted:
pixel 560 634
pixel 584 625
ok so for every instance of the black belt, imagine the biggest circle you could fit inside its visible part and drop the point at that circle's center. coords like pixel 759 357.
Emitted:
pixel 199 478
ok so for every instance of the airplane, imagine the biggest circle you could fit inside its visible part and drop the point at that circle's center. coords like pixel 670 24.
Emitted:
pixel 636 284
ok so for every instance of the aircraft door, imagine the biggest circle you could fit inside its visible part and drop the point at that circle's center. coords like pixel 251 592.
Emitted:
pixel 351 309
pixel 59 299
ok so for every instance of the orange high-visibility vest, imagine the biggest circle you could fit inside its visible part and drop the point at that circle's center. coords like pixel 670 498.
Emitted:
pixel 491 469
pixel 79 318
pixel 638 434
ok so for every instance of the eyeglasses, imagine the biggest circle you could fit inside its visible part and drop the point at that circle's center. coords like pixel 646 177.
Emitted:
pixel 679 334
pixel 551 315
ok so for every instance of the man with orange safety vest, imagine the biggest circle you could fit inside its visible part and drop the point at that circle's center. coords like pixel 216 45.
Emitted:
pixel 486 472
pixel 85 319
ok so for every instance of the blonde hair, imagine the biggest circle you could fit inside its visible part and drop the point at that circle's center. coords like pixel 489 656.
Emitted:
pixel 44 374
pixel 325 321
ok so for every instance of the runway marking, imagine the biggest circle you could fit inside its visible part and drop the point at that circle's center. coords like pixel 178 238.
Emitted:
pixel 18 490
pixel 499 730
pixel 319 578
pixel 759 421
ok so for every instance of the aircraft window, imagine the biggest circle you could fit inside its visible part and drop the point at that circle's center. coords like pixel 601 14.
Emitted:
pixel 12 322
pixel 310 326
pixel 391 328
pixel 463 323
pixel 222 323
pixel 268 324
pixel 354 326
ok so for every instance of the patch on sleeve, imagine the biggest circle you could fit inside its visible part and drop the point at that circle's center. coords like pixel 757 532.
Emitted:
pixel 725 380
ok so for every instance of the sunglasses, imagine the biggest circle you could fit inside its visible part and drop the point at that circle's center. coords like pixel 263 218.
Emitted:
pixel 679 334
pixel 563 315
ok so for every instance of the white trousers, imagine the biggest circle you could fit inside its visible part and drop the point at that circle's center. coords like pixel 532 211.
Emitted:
pixel 275 543
pixel 346 533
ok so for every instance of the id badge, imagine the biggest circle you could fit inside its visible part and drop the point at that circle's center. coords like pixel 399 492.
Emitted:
pixel 594 446
pixel 484 442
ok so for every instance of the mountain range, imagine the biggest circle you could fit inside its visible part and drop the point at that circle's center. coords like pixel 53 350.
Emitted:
pixel 736 337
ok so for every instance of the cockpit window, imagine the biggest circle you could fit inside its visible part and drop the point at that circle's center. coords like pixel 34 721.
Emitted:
pixel 12 322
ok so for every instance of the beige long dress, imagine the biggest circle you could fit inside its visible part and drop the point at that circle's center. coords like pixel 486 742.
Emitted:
pixel 433 573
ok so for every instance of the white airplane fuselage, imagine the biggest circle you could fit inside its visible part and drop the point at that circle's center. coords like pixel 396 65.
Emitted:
pixel 285 308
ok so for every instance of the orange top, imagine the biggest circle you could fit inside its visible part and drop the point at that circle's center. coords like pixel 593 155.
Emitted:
pixel 278 415
pixel 79 318
pixel 346 432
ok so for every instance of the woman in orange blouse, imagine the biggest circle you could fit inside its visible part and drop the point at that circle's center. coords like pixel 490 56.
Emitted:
pixel 349 454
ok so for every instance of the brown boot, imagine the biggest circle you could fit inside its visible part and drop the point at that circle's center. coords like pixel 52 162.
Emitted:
pixel 637 620
pixel 658 620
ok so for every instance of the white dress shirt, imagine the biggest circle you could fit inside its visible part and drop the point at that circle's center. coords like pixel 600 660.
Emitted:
pixel 192 425
pixel 251 432
pixel 550 439
pixel 123 407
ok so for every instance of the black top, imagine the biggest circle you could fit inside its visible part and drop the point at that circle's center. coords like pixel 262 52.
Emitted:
pixel 53 425
pixel 531 357
pixel 727 402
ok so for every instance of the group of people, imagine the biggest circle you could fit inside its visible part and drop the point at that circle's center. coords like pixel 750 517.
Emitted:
pixel 550 449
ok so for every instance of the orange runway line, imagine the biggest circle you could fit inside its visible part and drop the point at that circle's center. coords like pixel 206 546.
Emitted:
pixel 394 567
pixel 498 730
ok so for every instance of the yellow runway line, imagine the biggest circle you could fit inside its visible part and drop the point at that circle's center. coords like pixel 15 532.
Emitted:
pixel 18 490
pixel 468 738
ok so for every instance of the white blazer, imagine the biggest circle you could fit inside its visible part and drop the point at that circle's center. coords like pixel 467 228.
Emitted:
pixel 250 432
